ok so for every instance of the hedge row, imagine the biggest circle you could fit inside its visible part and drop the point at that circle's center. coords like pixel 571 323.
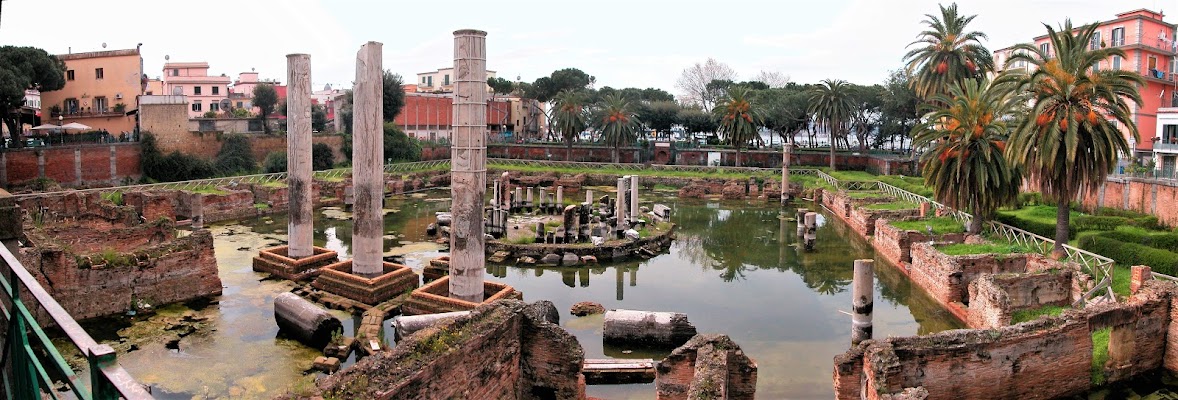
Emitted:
pixel 1078 224
pixel 1128 254
pixel 1165 241
pixel 1040 228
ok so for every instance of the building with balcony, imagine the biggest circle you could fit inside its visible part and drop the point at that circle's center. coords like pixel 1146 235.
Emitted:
pixel 1150 50
pixel 101 90
pixel 1166 147
pixel 191 79
pixel 441 81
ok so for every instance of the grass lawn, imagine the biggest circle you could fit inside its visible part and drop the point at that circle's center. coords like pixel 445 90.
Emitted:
pixel 853 176
pixel 1032 314
pixel 208 189
pixel 1040 213
pixel 866 195
pixel 940 225
pixel 961 249
pixel 1099 354
pixel 274 184
pixel 895 205
pixel 1121 277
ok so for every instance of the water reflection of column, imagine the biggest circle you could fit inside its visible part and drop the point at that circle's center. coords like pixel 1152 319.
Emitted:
pixel 621 281
pixel 634 276
pixel 583 274
pixel 569 277
pixel 862 299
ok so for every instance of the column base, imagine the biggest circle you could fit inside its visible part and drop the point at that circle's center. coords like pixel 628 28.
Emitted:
pixel 339 280
pixel 435 298
pixel 275 262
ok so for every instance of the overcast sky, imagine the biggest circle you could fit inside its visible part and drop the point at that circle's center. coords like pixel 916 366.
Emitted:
pixel 622 43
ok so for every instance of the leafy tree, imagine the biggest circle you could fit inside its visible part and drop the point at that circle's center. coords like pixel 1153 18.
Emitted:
pixel 394 96
pixel 399 147
pixel 617 122
pixel 210 114
pixel 660 115
pixel 696 121
pixel 318 118
pixel 570 118
pixel 772 79
pixel 693 82
pixel 899 111
pixel 265 99
pixel 322 157
pixel 500 85
pixel 1072 142
pixel 236 156
pixel 947 53
pixel 739 119
pixel 25 68
pixel 241 113
pixel 832 105
pixel 865 118
pixel 965 163
pixel 546 88
pixel 786 111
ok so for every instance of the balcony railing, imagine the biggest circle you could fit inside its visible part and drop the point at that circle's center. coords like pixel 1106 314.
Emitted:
pixel 26 372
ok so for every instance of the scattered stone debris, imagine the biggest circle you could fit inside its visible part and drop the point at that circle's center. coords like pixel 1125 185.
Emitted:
pixel 588 260
pixel 326 364
pixel 660 329
pixel 499 257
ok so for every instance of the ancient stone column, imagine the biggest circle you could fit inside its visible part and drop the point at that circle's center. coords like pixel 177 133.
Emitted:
pixel 801 218
pixel 505 188
pixel 198 213
pixel 543 198
pixel 620 213
pixel 570 221
pixel 298 155
pixel 468 165
pixel 861 300
pixel 519 197
pixel 785 150
pixel 811 230
pixel 589 196
pixel 559 197
pixel 368 162
pixel 529 203
pixel 634 196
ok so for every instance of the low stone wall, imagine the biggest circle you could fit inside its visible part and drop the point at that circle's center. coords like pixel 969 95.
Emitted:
pixel 947 278
pixel 500 351
pixel 863 219
pixel 1043 359
pixel 706 367
pixel 177 270
pixel 614 250
pixel 994 298
pixel 895 244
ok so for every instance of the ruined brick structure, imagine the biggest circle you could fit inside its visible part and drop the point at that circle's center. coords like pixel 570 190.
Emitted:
pixel 339 279
pixel 707 367
pixel 895 244
pixel 500 351
pixel 77 165
pixel 1043 359
pixel 994 298
pixel 433 297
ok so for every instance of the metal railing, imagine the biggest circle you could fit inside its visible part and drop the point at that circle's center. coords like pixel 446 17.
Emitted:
pixel 233 181
pixel 26 375
pixel 626 166
pixel 848 185
pixel 1099 267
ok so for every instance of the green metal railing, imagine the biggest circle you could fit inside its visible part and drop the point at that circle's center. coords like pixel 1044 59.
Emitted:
pixel 26 372
pixel 1099 267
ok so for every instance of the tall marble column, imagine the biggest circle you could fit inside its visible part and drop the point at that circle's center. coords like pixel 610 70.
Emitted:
pixel 634 197
pixel 368 162
pixel 298 155
pixel 468 165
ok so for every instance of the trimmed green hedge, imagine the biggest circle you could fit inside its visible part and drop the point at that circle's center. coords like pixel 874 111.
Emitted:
pixel 1128 254
pixel 1040 228
pixel 1158 240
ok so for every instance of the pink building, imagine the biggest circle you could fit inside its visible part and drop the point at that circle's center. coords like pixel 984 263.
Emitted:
pixel 1150 50
pixel 205 93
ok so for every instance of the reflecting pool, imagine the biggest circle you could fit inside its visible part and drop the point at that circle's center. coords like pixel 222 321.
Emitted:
pixel 734 268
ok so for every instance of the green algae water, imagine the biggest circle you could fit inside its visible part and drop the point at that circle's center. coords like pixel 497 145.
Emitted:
pixel 735 268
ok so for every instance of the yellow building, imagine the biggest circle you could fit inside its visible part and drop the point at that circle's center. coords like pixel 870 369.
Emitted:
pixel 101 89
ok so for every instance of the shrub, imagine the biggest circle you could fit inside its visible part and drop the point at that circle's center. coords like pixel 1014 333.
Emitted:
pixel 1097 223
pixel 398 147
pixel 275 162
pixel 1037 227
pixel 172 167
pixel 236 156
pixel 322 157
pixel 1123 253
pixel 1029 199
pixel 1159 240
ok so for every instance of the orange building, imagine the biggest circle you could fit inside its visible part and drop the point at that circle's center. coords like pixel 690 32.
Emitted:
pixel 1150 50
pixel 101 90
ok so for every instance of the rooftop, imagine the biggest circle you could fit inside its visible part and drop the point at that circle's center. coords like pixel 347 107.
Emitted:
pixel 98 54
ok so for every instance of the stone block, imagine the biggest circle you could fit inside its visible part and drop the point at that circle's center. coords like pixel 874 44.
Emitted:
pixel 659 329
pixel 326 364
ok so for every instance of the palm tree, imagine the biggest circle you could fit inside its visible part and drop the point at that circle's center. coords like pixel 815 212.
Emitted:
pixel 832 106
pixel 739 119
pixel 1070 141
pixel 965 164
pixel 947 53
pixel 617 122
pixel 570 118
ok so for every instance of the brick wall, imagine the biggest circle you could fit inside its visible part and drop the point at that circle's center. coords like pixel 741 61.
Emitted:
pixel 77 165
pixel 895 244
pixel 1149 196
pixel 994 298
pixel 862 220
pixel 501 351
pixel 706 367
